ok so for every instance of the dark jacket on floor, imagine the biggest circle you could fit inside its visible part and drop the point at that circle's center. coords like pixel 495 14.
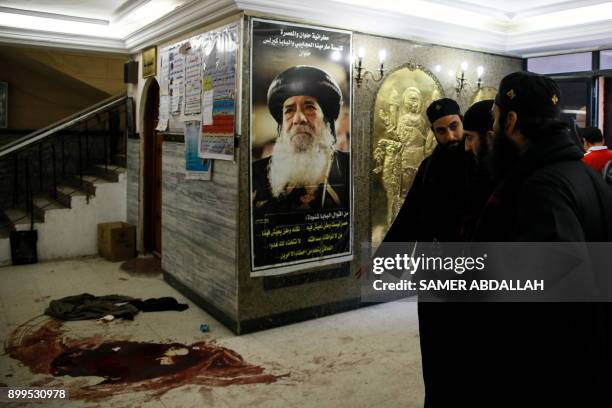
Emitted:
pixel 86 306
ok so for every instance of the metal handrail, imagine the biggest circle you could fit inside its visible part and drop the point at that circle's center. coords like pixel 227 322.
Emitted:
pixel 62 124
pixel 30 149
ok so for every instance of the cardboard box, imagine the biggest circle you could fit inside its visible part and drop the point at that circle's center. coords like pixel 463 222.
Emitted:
pixel 116 241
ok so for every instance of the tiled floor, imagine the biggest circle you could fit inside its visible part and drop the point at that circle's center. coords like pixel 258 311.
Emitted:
pixel 363 358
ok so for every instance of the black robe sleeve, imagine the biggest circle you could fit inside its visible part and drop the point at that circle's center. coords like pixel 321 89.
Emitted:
pixel 547 213
pixel 407 226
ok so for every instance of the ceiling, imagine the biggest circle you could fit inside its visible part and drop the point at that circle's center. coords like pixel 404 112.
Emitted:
pixel 519 28
pixel 518 8
pixel 99 9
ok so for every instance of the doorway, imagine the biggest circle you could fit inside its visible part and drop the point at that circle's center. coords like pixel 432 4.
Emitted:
pixel 607 109
pixel 152 166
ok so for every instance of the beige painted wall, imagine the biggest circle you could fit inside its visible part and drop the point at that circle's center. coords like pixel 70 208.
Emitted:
pixel 46 85
pixel 101 71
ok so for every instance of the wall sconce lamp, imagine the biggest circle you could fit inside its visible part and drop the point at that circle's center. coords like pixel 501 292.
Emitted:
pixel 362 73
pixel 462 82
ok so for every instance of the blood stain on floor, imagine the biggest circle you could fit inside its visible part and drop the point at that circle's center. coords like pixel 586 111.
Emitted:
pixel 142 266
pixel 128 366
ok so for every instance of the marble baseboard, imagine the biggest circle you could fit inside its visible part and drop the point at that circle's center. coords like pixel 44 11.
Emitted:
pixel 299 315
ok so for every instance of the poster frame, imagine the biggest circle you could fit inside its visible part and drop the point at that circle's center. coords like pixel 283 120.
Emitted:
pixel 149 59
pixel 299 265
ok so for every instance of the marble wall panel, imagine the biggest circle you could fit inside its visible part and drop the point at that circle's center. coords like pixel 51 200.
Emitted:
pixel 199 227
pixel 133 184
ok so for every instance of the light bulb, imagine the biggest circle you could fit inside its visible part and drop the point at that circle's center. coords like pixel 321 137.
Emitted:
pixel 451 73
pixel 464 66
pixel 480 71
pixel 438 68
pixel 361 52
pixel 382 55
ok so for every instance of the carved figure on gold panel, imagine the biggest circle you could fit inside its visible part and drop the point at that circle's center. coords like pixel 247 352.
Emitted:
pixel 387 157
pixel 399 154
pixel 402 138
pixel 387 153
pixel 412 133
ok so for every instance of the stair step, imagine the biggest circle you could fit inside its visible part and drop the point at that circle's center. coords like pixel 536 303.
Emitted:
pixel 64 192
pixel 19 216
pixel 110 174
pixel 87 185
pixel 45 203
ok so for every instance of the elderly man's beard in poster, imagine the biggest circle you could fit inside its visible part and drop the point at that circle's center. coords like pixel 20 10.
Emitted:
pixel 305 217
pixel 304 165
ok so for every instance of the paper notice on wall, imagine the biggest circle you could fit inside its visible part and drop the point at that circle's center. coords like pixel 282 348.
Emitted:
pixel 177 80
pixel 164 113
pixel 220 77
pixel 193 84
pixel 219 85
pixel 207 83
pixel 216 147
pixel 195 167
pixel 164 72
pixel 207 108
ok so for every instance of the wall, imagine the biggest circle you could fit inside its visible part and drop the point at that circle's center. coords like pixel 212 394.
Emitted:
pixel 264 302
pixel 100 71
pixel 199 227
pixel 205 225
pixel 133 185
pixel 48 85
pixel 135 155
pixel 199 218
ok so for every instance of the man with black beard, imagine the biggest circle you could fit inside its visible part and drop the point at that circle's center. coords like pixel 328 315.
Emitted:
pixel 434 211
pixel 478 129
pixel 538 354
pixel 435 204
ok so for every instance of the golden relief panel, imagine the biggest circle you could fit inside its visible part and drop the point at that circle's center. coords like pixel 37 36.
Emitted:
pixel 401 139
pixel 487 92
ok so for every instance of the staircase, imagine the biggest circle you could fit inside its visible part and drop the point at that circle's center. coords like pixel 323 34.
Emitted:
pixel 65 179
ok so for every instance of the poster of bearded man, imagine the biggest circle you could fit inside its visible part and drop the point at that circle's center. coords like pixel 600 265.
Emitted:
pixel 301 184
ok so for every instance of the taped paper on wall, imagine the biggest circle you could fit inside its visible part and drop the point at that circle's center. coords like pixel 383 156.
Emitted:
pixel 164 113
pixel 193 84
pixel 207 108
pixel 164 72
pixel 177 79
pixel 195 167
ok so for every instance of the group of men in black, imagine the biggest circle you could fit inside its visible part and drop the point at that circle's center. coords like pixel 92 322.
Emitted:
pixel 510 171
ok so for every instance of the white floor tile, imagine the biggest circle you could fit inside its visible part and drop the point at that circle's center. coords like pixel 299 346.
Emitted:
pixel 363 358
